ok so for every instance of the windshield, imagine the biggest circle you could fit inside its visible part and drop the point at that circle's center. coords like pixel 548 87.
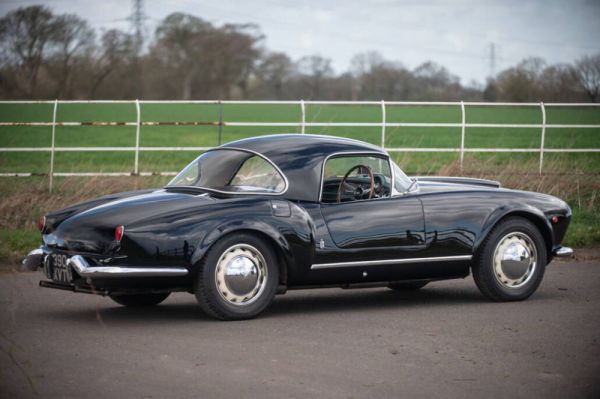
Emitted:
pixel 231 171
pixel 402 183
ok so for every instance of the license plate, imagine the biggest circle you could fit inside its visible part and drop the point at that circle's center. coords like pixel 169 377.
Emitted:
pixel 57 268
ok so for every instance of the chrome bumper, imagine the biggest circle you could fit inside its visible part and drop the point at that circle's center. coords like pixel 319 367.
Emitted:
pixel 563 252
pixel 35 260
pixel 83 268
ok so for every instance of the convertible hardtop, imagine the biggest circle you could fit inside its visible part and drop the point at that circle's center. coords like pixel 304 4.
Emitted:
pixel 300 157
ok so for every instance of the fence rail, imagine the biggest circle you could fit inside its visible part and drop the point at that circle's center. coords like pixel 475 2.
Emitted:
pixel 301 125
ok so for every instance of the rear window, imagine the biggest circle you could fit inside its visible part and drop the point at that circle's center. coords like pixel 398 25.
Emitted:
pixel 231 170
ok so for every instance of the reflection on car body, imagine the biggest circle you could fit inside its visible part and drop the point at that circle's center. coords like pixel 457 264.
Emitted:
pixel 259 216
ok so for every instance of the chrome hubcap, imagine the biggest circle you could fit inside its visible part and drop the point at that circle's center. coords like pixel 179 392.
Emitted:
pixel 241 274
pixel 515 260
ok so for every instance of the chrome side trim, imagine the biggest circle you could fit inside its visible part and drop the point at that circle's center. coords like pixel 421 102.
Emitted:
pixel 563 252
pixel 459 180
pixel 318 266
pixel 83 268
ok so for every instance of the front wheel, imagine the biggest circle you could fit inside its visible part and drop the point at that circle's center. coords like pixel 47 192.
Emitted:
pixel 139 299
pixel 238 278
pixel 510 265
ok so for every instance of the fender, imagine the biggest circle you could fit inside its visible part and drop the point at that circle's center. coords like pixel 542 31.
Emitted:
pixel 535 215
pixel 259 226
pixel 54 219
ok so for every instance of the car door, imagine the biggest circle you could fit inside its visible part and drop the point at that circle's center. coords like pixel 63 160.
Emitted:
pixel 384 227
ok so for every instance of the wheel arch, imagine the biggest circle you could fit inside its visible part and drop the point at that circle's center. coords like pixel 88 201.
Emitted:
pixel 530 213
pixel 266 232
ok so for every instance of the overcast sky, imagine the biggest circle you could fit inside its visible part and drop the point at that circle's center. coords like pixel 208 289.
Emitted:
pixel 456 34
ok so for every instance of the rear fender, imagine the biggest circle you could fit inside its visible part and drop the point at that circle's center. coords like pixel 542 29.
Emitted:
pixel 54 219
pixel 259 227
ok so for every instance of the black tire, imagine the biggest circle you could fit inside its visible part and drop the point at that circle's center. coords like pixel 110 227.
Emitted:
pixel 214 300
pixel 490 281
pixel 407 285
pixel 140 299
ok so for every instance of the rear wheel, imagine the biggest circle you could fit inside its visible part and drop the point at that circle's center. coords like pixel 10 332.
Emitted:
pixel 238 278
pixel 407 285
pixel 140 299
pixel 510 265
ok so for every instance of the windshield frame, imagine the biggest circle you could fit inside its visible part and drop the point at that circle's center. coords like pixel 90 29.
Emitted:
pixel 214 190
pixel 412 188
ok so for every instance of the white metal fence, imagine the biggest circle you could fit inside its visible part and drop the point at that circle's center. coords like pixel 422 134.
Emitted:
pixel 301 125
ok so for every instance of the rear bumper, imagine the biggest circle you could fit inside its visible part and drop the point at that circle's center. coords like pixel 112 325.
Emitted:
pixel 34 259
pixel 83 268
pixel 78 264
pixel 563 252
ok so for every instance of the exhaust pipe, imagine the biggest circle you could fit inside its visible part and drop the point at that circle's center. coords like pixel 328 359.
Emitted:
pixel 34 260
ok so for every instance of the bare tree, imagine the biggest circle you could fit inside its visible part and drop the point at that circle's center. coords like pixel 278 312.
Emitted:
pixel 236 54
pixel 70 37
pixel 117 49
pixel 362 65
pixel 47 56
pixel 588 71
pixel 316 70
pixel 522 82
pixel 377 78
pixel 274 70
pixel 180 43
pixel 436 82
pixel 560 82
pixel 24 34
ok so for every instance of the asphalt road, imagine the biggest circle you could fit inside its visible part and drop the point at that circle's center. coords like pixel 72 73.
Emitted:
pixel 443 341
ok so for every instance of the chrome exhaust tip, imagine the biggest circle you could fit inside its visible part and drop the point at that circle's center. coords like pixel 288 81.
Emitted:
pixel 34 260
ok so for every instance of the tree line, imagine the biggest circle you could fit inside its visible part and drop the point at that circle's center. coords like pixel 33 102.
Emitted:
pixel 45 56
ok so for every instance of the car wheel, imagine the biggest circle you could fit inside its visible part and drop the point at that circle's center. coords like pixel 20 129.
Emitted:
pixel 238 278
pixel 510 265
pixel 140 299
pixel 407 285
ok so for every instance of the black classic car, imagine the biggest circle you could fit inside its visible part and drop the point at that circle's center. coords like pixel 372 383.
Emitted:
pixel 256 217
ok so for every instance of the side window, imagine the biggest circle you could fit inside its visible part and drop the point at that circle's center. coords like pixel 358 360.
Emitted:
pixel 356 171
pixel 257 174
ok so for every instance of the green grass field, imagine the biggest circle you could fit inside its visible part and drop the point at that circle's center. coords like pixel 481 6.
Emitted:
pixel 573 177
pixel 208 136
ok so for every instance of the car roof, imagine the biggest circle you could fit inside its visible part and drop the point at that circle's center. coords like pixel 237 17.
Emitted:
pixel 300 157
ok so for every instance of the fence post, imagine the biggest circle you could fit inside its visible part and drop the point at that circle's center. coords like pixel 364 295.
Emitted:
pixel 303 111
pixel 383 119
pixel 220 131
pixel 543 108
pixel 137 138
pixel 51 174
pixel 462 135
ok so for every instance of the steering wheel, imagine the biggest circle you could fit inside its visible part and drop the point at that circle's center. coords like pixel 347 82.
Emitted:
pixel 358 191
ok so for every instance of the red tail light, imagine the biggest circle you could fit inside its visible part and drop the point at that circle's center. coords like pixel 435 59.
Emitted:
pixel 119 232
pixel 41 223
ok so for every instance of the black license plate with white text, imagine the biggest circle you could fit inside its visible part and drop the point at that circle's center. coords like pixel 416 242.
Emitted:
pixel 57 268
